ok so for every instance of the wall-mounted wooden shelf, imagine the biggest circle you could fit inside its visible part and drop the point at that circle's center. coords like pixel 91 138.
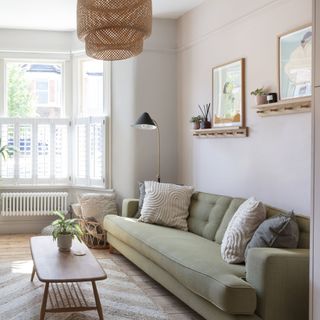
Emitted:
pixel 284 107
pixel 221 133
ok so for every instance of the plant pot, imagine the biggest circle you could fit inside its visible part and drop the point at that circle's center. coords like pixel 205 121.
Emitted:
pixel 196 125
pixel 261 99
pixel 205 124
pixel 64 242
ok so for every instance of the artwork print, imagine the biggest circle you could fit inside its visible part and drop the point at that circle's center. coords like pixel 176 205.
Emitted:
pixel 228 94
pixel 295 64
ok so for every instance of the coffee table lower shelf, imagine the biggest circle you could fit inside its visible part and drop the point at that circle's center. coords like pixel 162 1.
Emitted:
pixel 67 297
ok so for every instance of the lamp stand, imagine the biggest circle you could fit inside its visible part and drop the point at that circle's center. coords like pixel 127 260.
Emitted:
pixel 158 131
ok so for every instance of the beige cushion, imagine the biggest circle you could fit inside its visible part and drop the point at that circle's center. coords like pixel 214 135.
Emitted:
pixel 76 207
pixel 166 204
pixel 95 205
pixel 240 230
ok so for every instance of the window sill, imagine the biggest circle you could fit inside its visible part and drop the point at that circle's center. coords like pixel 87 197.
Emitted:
pixel 50 187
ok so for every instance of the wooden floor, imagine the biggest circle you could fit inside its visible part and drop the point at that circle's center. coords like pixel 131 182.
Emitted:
pixel 17 247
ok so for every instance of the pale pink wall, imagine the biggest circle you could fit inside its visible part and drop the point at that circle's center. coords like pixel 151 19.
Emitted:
pixel 274 163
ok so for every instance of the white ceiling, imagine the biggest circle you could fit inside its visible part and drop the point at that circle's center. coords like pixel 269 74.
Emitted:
pixel 60 15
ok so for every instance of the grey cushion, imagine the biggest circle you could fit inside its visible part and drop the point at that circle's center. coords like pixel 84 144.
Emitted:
pixel 142 194
pixel 281 231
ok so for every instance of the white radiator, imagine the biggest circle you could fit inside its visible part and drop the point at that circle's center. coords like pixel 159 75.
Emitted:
pixel 33 203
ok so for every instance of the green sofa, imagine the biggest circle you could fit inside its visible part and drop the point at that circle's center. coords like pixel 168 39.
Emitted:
pixel 273 285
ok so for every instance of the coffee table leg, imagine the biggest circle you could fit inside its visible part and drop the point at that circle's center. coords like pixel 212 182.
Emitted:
pixel 44 301
pixel 96 297
pixel 33 273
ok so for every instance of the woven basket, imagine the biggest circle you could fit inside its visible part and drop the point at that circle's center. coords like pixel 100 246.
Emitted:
pixel 114 29
pixel 93 234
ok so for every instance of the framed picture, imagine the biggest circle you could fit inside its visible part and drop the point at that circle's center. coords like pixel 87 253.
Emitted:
pixel 228 94
pixel 295 64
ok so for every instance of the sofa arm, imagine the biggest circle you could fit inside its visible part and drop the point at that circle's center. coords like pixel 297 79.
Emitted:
pixel 130 207
pixel 281 280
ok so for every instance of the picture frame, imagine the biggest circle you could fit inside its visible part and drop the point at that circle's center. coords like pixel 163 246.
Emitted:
pixel 228 95
pixel 295 63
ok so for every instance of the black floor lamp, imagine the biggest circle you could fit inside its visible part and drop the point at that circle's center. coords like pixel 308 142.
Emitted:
pixel 145 122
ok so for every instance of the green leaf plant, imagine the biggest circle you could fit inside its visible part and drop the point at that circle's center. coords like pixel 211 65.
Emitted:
pixel 63 226
pixel 7 151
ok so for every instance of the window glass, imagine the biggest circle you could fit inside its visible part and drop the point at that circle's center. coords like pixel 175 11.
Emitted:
pixel 34 90
pixel 91 90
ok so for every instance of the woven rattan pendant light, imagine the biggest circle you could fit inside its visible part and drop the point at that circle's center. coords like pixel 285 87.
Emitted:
pixel 114 29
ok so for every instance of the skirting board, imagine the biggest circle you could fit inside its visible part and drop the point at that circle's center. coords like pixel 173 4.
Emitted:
pixel 17 225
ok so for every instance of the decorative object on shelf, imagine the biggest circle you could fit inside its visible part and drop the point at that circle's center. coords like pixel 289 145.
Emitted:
pixel 114 30
pixel 205 123
pixel 222 133
pixel 301 105
pixel 196 122
pixel 272 97
pixel 261 95
pixel 145 122
pixel 64 230
pixel 295 64
pixel 229 94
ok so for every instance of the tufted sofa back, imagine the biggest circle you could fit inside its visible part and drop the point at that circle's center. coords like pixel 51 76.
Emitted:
pixel 210 215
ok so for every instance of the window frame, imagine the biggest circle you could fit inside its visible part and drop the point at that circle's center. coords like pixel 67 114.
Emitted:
pixel 70 90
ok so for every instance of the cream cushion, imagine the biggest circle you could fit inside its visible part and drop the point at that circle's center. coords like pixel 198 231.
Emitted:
pixel 166 204
pixel 95 205
pixel 240 230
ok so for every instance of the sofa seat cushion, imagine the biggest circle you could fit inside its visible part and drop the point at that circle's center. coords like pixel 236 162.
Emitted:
pixel 192 260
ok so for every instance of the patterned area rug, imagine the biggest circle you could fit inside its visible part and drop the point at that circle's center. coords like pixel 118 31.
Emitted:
pixel 121 298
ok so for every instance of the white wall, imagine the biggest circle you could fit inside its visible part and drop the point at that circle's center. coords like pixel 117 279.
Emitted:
pixel 315 225
pixel 35 41
pixel 146 83
pixel 274 163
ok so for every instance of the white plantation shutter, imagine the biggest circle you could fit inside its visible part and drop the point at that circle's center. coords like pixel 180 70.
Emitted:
pixel 43 155
pixel 81 145
pixel 96 150
pixel 61 151
pixel 7 138
pixel 43 152
pixel 90 147
pixel 25 151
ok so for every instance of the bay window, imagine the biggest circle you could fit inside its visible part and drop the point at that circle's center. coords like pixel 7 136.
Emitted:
pixel 53 147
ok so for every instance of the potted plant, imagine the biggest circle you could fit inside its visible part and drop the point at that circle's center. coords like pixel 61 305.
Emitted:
pixel 7 151
pixel 261 95
pixel 64 230
pixel 196 122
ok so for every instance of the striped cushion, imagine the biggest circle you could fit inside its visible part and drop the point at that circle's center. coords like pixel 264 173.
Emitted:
pixel 166 204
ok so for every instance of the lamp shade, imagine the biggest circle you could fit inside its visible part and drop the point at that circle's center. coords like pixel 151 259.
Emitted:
pixel 114 29
pixel 145 122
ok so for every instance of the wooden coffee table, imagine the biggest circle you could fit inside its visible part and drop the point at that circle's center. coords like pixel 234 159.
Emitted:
pixel 62 272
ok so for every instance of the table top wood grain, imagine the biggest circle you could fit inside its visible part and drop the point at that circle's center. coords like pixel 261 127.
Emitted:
pixel 51 265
